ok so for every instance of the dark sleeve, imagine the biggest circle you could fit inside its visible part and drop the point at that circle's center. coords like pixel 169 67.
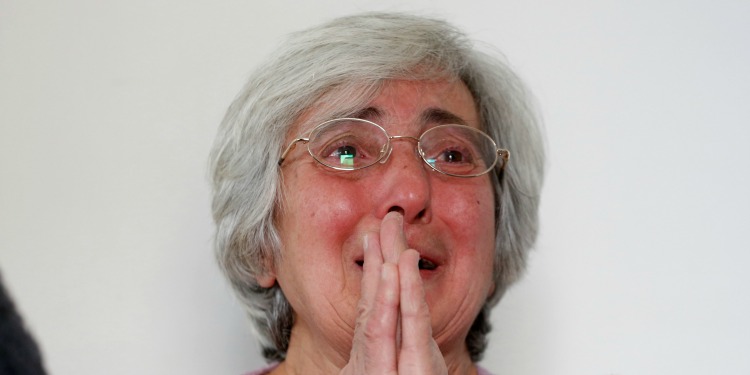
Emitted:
pixel 19 354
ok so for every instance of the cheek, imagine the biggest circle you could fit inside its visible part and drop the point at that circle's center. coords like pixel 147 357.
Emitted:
pixel 319 207
pixel 471 211
pixel 314 201
pixel 320 216
pixel 471 219
pixel 468 214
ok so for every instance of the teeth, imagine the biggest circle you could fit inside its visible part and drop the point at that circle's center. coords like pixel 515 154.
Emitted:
pixel 425 264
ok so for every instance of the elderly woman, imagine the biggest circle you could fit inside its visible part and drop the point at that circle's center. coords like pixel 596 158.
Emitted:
pixel 376 186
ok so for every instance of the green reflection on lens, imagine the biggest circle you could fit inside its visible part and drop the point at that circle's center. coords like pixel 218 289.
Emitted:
pixel 347 160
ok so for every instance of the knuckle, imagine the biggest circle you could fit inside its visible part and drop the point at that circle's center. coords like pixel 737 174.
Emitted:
pixel 421 312
pixel 371 331
pixel 362 310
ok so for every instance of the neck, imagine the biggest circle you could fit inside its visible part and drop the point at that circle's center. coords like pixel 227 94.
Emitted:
pixel 461 367
pixel 312 353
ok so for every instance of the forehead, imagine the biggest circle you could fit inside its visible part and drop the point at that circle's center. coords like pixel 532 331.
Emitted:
pixel 403 100
pixel 424 103
pixel 397 103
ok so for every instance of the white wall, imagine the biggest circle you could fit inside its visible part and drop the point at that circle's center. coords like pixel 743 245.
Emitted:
pixel 107 113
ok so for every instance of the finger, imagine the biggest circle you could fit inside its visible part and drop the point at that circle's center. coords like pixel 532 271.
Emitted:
pixel 416 326
pixel 367 347
pixel 373 261
pixel 379 331
pixel 392 238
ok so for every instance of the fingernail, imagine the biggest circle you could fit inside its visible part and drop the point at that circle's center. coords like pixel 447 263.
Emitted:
pixel 365 243
pixel 396 216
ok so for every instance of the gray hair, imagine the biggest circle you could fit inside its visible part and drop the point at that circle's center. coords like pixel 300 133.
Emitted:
pixel 340 66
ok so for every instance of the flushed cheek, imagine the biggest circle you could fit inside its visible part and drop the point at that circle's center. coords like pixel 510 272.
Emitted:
pixel 464 204
pixel 470 215
pixel 324 226
pixel 469 218
pixel 321 204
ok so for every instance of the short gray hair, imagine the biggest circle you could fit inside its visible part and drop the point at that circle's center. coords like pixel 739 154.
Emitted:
pixel 356 55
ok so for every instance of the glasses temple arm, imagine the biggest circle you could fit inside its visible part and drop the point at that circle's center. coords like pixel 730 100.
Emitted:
pixel 290 147
pixel 505 155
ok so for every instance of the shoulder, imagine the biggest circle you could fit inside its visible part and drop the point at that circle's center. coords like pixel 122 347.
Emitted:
pixel 265 370
pixel 482 371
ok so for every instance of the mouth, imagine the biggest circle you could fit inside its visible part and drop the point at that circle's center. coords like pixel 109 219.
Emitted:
pixel 423 264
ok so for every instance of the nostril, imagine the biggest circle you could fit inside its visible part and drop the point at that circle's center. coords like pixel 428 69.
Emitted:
pixel 397 209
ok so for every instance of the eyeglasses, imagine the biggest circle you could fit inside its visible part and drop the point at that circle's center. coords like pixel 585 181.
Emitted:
pixel 348 144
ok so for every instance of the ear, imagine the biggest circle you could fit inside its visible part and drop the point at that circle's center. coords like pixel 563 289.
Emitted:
pixel 492 289
pixel 266 279
pixel 266 276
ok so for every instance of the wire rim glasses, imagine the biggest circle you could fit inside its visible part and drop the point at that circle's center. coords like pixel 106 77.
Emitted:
pixel 349 144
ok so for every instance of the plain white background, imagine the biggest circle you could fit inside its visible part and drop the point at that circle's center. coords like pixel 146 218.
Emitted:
pixel 108 110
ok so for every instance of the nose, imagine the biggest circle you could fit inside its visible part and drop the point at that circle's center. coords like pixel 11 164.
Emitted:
pixel 404 184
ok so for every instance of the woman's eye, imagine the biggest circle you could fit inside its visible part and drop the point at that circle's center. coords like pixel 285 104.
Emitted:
pixel 453 159
pixel 347 150
pixel 344 153
pixel 452 156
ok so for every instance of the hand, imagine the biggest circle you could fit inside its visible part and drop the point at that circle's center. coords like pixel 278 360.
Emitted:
pixel 393 333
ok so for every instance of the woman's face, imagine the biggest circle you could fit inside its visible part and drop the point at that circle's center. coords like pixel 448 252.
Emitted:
pixel 449 220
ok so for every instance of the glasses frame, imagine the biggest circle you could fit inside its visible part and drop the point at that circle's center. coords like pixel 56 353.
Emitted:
pixel 500 153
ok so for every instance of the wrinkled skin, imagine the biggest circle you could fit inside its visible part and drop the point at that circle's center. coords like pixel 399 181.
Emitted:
pixel 352 242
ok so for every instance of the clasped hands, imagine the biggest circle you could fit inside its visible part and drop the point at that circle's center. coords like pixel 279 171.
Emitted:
pixel 393 333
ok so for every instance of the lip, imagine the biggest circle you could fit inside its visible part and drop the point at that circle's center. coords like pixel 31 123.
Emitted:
pixel 425 263
pixel 434 252
pixel 431 257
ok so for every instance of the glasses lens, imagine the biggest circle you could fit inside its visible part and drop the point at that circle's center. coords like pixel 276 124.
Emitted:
pixel 348 144
pixel 458 150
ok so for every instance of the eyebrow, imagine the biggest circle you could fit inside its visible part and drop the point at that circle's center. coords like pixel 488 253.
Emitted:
pixel 429 116
pixel 440 117
pixel 369 113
